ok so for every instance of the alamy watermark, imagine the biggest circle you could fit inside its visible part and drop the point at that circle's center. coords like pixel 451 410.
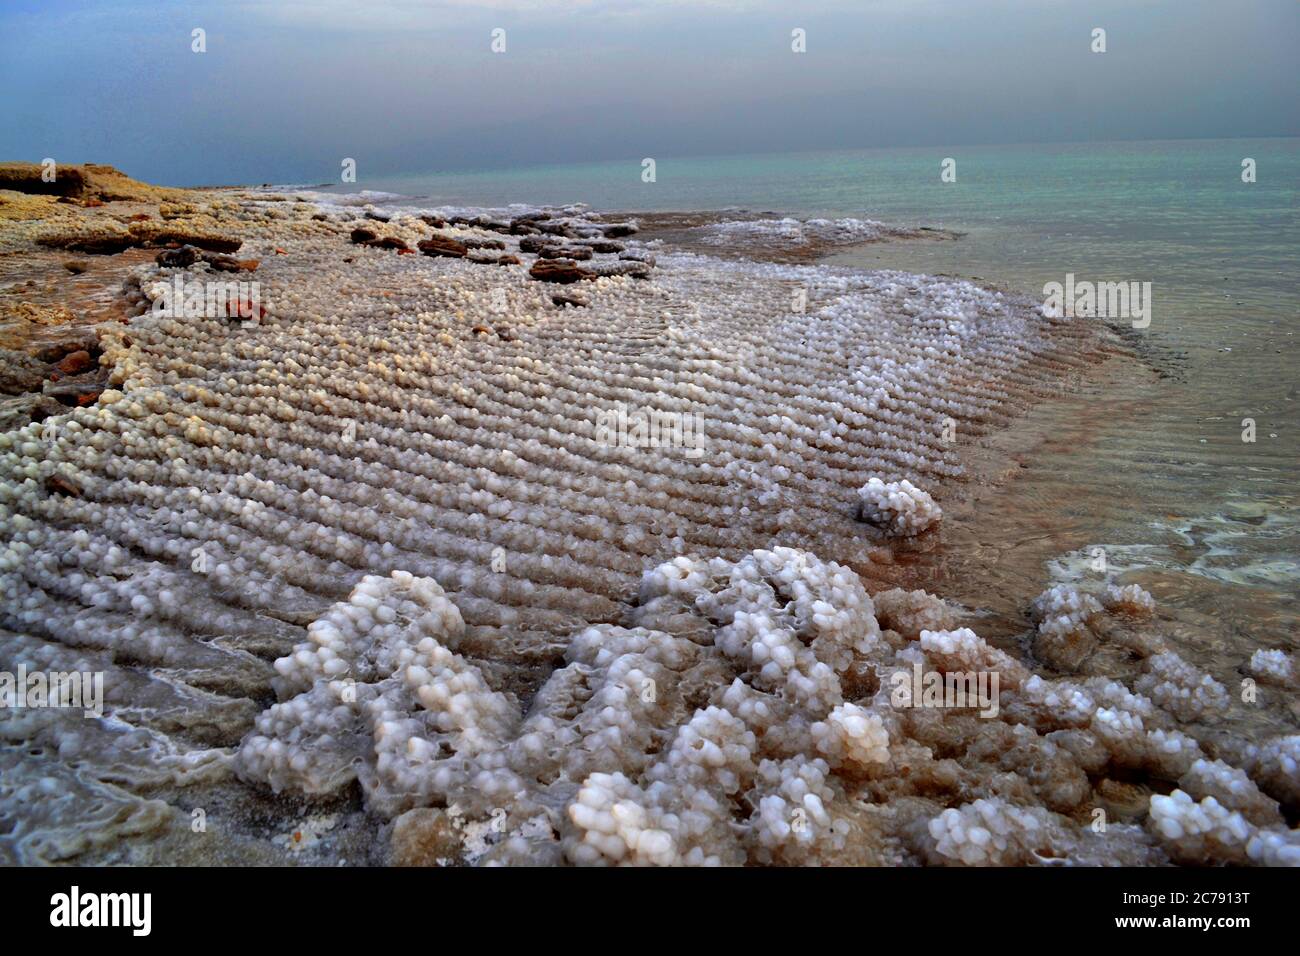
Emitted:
pixel 921 688
pixel 1104 300
pixel 651 428
pixel 78 690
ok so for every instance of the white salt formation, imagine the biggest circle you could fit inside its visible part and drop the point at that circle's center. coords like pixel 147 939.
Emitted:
pixel 898 507
pixel 1273 667
pixel 371 549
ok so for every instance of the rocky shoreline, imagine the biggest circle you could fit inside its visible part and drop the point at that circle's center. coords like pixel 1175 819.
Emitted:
pixel 370 579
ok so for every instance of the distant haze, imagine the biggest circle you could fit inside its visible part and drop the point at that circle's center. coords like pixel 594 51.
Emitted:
pixel 286 90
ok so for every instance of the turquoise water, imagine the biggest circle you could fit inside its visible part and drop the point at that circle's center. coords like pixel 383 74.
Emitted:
pixel 1160 468
pixel 1175 213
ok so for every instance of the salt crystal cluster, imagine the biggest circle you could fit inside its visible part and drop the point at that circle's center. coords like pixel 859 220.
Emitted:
pixel 991 832
pixel 911 612
pixel 1130 599
pixel 897 507
pixel 1181 689
pixel 1273 667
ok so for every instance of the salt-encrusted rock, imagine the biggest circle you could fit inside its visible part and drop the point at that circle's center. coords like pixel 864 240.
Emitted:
pixel 1273 667
pixel 911 612
pixel 1198 832
pixel 992 832
pixel 1233 789
pixel 853 736
pixel 1130 600
pixel 20 372
pixel 897 507
pixel 634 269
pixel 443 246
pixel 964 650
pixel 425 836
pixel 1178 687
pixel 1064 638
pixel 1275 766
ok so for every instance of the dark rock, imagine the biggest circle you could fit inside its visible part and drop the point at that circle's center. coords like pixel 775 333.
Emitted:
pixel 619 230
pixel 570 298
pixel 443 246
pixel 361 236
pixel 377 216
pixel 557 228
pixel 581 253
pixel 84 340
pixel 523 227
pixel 91 245
pixel 59 485
pixel 20 372
pixel 75 266
pixel 508 260
pixel 209 243
pixel 472 243
pixel 533 243
pixel 436 221
pixel 603 245
pixel 563 271
pixel 17 412
pixel 181 258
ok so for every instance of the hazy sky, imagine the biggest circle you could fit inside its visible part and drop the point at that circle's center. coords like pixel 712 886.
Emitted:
pixel 286 89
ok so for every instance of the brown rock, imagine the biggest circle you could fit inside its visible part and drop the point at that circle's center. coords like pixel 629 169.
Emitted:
pixel 76 362
pixel 570 298
pixel 581 253
pixel 563 271
pixel 472 243
pixel 443 246
pixel 603 245
pixel 75 266
pixel 58 485
pixel 424 837
pixel 91 245
pixel 362 236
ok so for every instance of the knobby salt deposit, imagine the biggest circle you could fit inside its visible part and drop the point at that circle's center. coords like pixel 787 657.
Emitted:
pixel 372 543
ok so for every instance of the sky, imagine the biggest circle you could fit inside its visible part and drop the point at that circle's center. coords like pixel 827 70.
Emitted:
pixel 286 90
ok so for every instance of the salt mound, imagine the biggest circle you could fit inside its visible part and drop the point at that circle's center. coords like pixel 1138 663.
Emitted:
pixel 898 507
